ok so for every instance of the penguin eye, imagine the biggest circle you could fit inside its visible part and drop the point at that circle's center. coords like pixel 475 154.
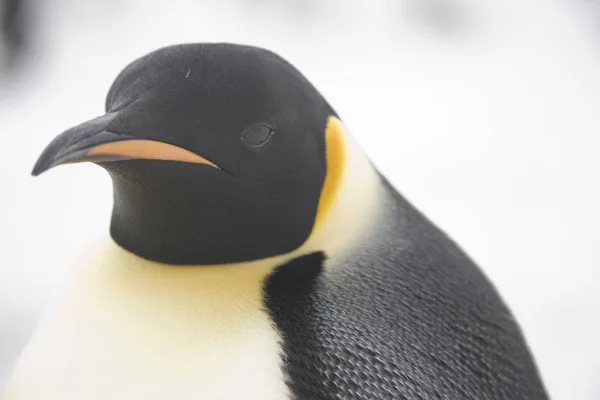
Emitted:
pixel 257 135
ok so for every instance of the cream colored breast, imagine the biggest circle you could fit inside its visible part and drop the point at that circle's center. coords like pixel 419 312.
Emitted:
pixel 192 332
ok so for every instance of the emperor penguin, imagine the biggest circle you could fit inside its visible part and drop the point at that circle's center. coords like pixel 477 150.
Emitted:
pixel 255 252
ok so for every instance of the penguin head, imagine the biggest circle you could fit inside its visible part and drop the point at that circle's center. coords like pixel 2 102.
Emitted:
pixel 217 154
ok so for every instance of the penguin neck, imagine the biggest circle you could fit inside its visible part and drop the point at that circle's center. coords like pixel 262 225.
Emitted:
pixel 228 290
pixel 185 216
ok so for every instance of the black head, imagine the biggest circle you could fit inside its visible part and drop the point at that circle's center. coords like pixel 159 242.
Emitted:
pixel 216 153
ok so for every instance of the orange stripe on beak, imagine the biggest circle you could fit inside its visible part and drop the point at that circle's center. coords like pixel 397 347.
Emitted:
pixel 148 150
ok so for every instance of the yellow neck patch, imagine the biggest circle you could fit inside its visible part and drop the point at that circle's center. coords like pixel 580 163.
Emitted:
pixel 335 157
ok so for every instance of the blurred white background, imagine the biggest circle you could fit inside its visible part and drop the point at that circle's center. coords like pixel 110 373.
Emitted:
pixel 485 114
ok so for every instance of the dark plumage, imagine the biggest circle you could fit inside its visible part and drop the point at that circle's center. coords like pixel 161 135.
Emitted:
pixel 410 317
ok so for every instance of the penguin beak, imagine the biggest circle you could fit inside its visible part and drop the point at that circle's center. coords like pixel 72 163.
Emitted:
pixel 91 141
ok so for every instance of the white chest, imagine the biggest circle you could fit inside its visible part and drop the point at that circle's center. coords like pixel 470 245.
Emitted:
pixel 131 331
